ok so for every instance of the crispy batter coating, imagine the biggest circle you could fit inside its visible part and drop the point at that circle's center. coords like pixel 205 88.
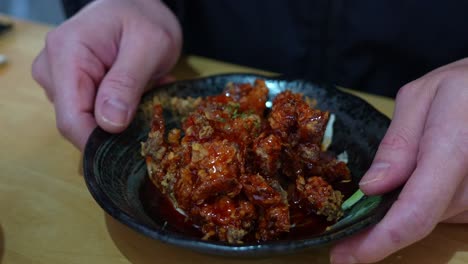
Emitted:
pixel 323 199
pixel 273 222
pixel 301 129
pixel 293 119
pixel 250 98
pixel 226 218
pixel 217 168
pixel 267 152
pixel 228 167
pixel 259 191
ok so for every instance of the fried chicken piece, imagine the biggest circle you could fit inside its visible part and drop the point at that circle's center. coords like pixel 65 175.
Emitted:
pixel 283 115
pixel 273 222
pixel 332 171
pixel 227 219
pixel 259 192
pixel 291 115
pixel 224 171
pixel 243 128
pixel 182 188
pixel 183 106
pixel 155 147
pixel 301 130
pixel 250 98
pixel 155 150
pixel 267 152
pixel 217 165
pixel 220 121
pixel 321 196
pixel 298 159
pixel 272 202
pixel 197 128
pixel 237 112
pixel 214 157
pixel 311 123
pixel 307 159
pixel 310 160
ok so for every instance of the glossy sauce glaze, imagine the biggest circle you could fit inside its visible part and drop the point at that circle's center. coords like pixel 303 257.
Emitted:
pixel 305 224
pixel 244 173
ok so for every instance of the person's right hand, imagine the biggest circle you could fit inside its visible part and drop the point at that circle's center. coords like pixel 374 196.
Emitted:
pixel 95 66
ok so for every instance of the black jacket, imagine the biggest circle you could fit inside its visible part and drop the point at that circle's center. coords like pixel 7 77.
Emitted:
pixel 372 45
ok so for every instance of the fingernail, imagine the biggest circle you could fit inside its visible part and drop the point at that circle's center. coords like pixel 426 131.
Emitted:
pixel 376 173
pixel 342 259
pixel 115 112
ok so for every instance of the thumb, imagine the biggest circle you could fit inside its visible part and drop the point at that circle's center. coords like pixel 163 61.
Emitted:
pixel 141 54
pixel 396 157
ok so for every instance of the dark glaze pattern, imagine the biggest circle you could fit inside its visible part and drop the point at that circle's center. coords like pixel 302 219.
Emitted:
pixel 114 170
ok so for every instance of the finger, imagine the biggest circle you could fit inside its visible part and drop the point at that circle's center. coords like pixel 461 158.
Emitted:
pixel 428 192
pixel 459 202
pixel 412 217
pixel 40 71
pixel 396 156
pixel 137 61
pixel 460 64
pixel 164 80
pixel 74 71
pixel 461 218
pixel 157 80
pixel 74 107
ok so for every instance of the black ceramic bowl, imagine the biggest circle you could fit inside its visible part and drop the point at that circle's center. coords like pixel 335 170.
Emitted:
pixel 115 171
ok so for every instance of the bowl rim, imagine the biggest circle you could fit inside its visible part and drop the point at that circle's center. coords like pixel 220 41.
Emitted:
pixel 98 137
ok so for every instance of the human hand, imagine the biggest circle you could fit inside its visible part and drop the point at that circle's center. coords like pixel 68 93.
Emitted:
pixel 426 149
pixel 95 66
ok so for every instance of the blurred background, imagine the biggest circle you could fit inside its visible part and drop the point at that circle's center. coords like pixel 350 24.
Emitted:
pixel 45 11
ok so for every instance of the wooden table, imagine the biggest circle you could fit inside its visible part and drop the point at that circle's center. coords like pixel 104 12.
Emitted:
pixel 46 212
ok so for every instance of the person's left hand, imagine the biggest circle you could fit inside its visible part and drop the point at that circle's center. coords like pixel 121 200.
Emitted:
pixel 426 149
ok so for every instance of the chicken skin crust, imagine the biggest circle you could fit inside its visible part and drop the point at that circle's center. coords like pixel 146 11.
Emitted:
pixel 233 165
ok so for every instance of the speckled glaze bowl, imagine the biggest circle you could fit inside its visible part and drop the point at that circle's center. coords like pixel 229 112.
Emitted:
pixel 114 169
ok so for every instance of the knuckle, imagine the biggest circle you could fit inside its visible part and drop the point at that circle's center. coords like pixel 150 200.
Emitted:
pixel 121 82
pixel 432 133
pixel 167 44
pixel 42 77
pixel 452 140
pixel 37 73
pixel 417 225
pixel 64 126
pixel 59 38
pixel 54 40
pixel 461 145
pixel 162 36
pixel 399 138
pixel 455 79
pixel 156 36
pixel 395 236
pixel 408 90
pixel 454 74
